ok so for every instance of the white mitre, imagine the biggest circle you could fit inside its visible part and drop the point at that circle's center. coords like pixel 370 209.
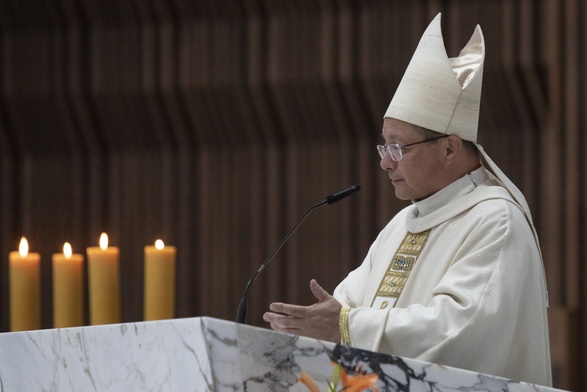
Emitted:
pixel 443 94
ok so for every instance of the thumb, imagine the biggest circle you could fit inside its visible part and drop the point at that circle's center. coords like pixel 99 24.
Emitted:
pixel 318 291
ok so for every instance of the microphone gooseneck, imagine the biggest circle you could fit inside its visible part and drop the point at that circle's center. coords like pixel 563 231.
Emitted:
pixel 330 199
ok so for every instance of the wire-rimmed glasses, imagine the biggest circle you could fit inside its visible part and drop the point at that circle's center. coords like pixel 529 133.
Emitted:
pixel 395 150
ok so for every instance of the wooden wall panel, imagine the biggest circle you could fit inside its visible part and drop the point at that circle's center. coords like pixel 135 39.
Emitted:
pixel 215 124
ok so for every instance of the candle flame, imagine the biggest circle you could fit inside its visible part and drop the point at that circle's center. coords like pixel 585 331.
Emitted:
pixel 67 251
pixel 23 248
pixel 159 244
pixel 104 241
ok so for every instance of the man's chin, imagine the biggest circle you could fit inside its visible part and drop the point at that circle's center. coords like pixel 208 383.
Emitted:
pixel 399 192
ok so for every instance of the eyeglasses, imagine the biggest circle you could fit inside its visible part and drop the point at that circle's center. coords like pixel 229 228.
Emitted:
pixel 395 150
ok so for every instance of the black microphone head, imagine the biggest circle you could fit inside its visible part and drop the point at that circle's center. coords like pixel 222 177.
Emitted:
pixel 342 194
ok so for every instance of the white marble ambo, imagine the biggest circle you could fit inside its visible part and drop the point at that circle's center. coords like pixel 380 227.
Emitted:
pixel 206 354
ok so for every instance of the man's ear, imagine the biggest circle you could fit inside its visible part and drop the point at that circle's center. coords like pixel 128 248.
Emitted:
pixel 454 145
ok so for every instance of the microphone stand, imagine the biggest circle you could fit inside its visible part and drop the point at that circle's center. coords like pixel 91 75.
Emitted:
pixel 330 199
pixel 242 306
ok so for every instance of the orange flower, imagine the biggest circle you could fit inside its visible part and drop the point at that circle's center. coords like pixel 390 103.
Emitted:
pixel 309 382
pixel 360 382
pixel 356 383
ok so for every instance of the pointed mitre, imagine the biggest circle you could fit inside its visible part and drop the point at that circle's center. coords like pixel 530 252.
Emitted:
pixel 441 93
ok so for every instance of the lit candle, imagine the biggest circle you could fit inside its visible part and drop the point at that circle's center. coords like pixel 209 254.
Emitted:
pixel 104 286
pixel 25 288
pixel 159 281
pixel 68 288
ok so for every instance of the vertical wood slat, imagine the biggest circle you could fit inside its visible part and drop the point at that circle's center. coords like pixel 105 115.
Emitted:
pixel 570 144
pixel 582 311
pixel 551 207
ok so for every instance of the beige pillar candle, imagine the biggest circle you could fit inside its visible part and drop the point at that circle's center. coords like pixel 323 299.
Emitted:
pixel 104 283
pixel 25 288
pixel 68 288
pixel 159 298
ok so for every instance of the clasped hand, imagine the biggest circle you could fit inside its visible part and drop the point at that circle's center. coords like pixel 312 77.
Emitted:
pixel 319 320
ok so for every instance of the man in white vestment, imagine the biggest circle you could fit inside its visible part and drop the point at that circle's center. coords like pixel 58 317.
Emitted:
pixel 456 278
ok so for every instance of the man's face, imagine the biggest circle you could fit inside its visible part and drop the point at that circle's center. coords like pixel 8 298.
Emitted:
pixel 417 175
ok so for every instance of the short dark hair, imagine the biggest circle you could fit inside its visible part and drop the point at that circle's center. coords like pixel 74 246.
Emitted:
pixel 430 134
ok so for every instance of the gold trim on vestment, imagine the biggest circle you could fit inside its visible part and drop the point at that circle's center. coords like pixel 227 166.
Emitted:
pixel 343 326
pixel 399 269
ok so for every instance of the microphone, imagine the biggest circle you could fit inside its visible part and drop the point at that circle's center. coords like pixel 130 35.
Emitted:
pixel 330 199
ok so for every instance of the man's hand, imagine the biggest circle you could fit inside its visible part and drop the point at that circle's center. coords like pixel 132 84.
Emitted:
pixel 319 320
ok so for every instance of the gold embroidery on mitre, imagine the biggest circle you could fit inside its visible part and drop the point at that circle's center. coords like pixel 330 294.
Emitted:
pixel 399 269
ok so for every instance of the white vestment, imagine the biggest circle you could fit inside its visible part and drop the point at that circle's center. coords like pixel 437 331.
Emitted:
pixel 475 297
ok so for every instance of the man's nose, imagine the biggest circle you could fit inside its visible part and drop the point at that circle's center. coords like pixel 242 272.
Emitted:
pixel 387 163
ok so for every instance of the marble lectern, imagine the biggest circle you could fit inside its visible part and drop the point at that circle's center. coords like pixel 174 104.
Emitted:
pixel 206 354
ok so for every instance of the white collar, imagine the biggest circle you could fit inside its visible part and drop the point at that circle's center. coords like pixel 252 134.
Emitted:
pixel 458 188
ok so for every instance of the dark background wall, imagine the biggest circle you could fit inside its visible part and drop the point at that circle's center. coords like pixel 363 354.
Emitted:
pixel 214 124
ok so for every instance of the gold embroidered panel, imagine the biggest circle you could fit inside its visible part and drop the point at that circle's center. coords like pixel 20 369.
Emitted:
pixel 399 269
